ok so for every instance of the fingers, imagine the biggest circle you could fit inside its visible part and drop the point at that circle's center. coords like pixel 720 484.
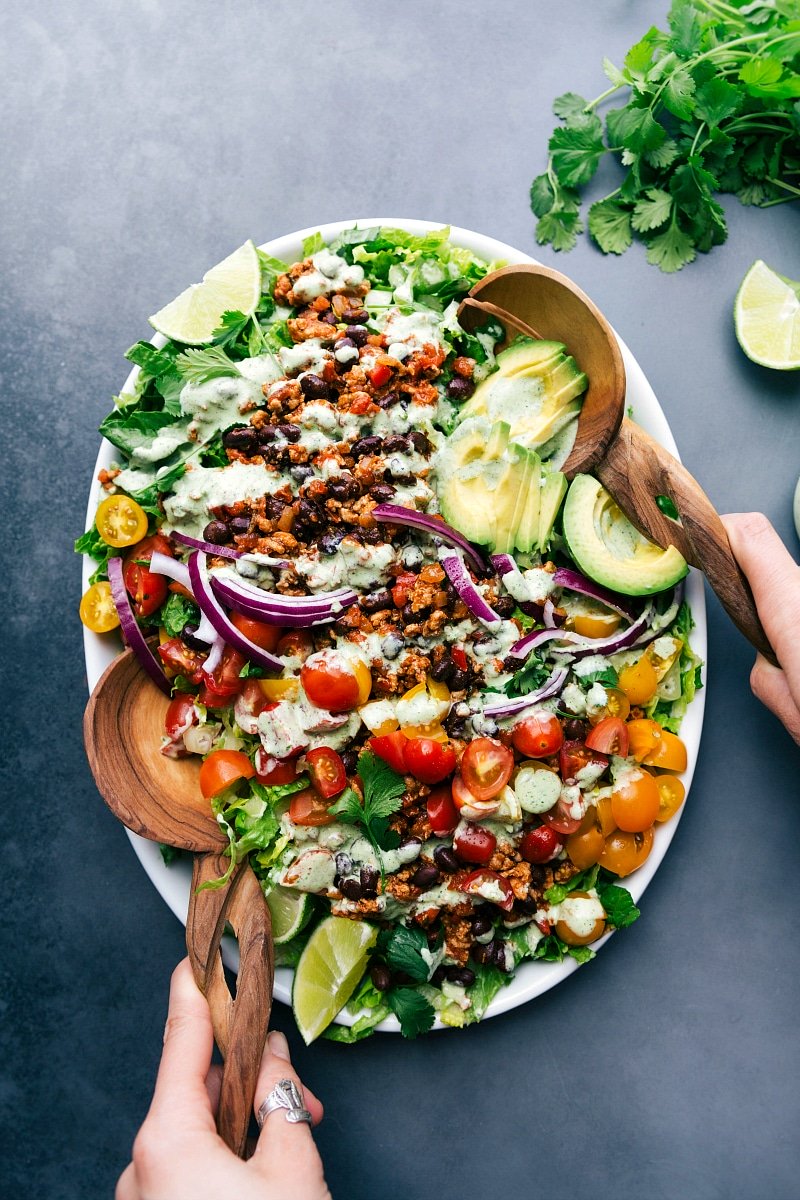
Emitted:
pixel 775 581
pixel 214 1086
pixel 285 1151
pixel 127 1187
pixel 770 686
pixel 180 1091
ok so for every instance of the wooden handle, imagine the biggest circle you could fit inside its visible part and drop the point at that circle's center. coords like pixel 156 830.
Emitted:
pixel 635 470
pixel 240 1024
pixel 486 309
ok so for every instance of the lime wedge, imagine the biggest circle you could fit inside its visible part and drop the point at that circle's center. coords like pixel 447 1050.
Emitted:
pixel 290 911
pixel 767 318
pixel 234 285
pixel 328 971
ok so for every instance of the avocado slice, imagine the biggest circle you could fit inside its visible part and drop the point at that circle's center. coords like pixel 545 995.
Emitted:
pixel 608 548
pixel 527 534
pixel 479 474
pixel 523 482
pixel 554 489
pixel 526 354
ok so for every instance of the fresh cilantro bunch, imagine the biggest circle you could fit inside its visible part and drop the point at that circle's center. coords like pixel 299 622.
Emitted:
pixel 713 106
pixel 383 792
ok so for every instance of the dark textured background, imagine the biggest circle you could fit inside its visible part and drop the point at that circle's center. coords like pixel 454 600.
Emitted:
pixel 143 141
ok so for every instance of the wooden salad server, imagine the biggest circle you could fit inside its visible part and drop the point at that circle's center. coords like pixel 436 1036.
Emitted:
pixel 634 468
pixel 160 799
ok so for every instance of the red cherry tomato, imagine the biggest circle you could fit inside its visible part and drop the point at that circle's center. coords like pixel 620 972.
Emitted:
pixel 489 886
pixel 380 375
pixel 391 747
pixel 402 586
pixel 486 767
pixel 221 769
pixel 180 715
pixel 430 761
pixel 327 771
pixel 466 804
pixel 561 819
pixel 225 682
pixel 330 681
pixel 538 736
pixel 297 644
pixel 182 660
pixel 540 845
pixel 574 756
pixel 609 736
pixel 280 772
pixel 442 813
pixel 147 591
pixel 263 635
pixel 307 808
pixel 474 844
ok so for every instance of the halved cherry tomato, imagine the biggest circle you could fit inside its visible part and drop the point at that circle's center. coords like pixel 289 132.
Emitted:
pixel 280 689
pixel 180 659
pixel 380 375
pixel 225 682
pixel 486 767
pixel 467 805
pixel 538 736
pixel 617 705
pixel 259 632
pixel 639 681
pixel 597 624
pixel 307 808
pixel 281 772
pixel 669 753
pixel 334 682
pixel 635 801
pixel 474 844
pixel 605 816
pixel 297 644
pixel 402 587
pixel 327 771
pixel 671 795
pixel 624 852
pixel 251 698
pixel 180 715
pixel 577 910
pixel 391 747
pixel 439 695
pixel 146 590
pixel 609 736
pixel 586 844
pixel 98 611
pixel 221 769
pixel 540 845
pixel 428 760
pixel 489 886
pixel 643 735
pixel 561 817
pixel 442 813
pixel 575 755
pixel 120 521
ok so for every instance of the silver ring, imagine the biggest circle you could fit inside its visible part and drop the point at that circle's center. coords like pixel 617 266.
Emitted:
pixel 284 1095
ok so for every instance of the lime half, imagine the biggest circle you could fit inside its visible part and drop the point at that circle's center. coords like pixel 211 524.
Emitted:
pixel 234 285
pixel 767 318
pixel 328 971
pixel 290 911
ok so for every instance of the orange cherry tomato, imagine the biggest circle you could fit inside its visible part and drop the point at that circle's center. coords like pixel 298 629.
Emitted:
pixel 221 769
pixel 639 681
pixel 671 795
pixel 635 801
pixel 486 767
pixel 669 753
pixel 595 624
pixel 259 632
pixel 307 808
pixel 605 816
pixel 624 852
pixel 279 689
pixel 642 737
pixel 617 705
pixel 573 927
pixel 586 844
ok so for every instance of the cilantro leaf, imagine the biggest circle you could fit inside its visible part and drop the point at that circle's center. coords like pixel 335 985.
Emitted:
pixel 671 249
pixel 575 154
pixel 652 210
pixel 634 128
pixel 571 108
pixel 716 99
pixel 610 226
pixel 415 1014
pixel 231 325
pixel 542 195
pixel 404 952
pixel 678 94
pixel 201 365
pixel 530 677
pixel 177 612
pixel 383 796
pixel 560 228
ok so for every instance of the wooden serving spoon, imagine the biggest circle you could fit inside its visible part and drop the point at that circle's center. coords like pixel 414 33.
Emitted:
pixel 160 799
pixel 634 468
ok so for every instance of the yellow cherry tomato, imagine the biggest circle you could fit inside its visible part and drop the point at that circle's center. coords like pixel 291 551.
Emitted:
pixel 587 843
pixel 120 521
pixel 624 852
pixel 617 705
pixel 635 801
pixel 671 795
pixel 596 624
pixel 98 611
pixel 364 677
pixel 639 681
pixel 669 753
pixel 437 692
pixel 279 689
pixel 643 735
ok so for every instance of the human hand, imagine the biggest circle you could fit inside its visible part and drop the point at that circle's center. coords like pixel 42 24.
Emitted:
pixel 178 1154
pixel 775 581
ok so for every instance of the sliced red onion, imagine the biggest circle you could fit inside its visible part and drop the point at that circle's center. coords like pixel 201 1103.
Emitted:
pixel 538 637
pixel 294 611
pixel 506 708
pixel 210 605
pixel 548 614
pixel 573 581
pixel 164 564
pixel 459 576
pixel 635 635
pixel 130 628
pixel 503 563
pixel 206 547
pixel 397 514
pixel 215 655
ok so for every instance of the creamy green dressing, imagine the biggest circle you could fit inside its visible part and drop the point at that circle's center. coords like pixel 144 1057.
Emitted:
pixel 200 489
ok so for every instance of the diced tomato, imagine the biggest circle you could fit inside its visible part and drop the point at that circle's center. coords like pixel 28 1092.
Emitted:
pixel 259 632
pixel 362 404
pixel 221 769
pixel 180 715
pixel 182 660
pixel 428 760
pixel 486 767
pixel 402 587
pixel 489 886
pixel 574 756
pixel 442 813
pixel 280 772
pixel 609 736
pixel 474 844
pixel 327 771
pixel 225 682
pixel 561 819
pixel 459 657
pixel 307 808
pixel 380 375
pixel 540 845
pixel 391 747
pixel 538 736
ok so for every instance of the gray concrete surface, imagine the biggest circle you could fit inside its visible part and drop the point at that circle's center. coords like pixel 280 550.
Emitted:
pixel 143 140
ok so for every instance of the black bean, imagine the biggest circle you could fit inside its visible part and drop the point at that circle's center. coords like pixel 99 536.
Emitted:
pixel 329 542
pixel 387 399
pixel 217 532
pixel 443 668
pixel 330 318
pixel 481 924
pixel 410 841
pixel 366 445
pixel 499 953
pixel 400 475
pixel 187 635
pixel 301 473
pixel 267 434
pixel 419 441
pixel 381 977
pixel 375 601
pixel 438 977
pixel 382 492
pixel 446 860
pixel 243 438
pixel 575 729
pixel 455 726
pixel 358 334
pixel 344 863
pixel 351 889
pixel 459 680
pixel 344 487
pixel 369 880
pixel 395 443
pixel 289 431
pixel 483 952
pixel 308 513
pixel 460 389
pixel 504 606
pixel 350 761
pixel 425 876
pixel 314 387
pixel 538 874
pixel 461 975
pixel 239 525
pixel 355 317
pixel 527 906
pixel 391 645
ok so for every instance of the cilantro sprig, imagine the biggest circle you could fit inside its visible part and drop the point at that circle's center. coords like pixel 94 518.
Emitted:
pixel 383 794
pixel 713 106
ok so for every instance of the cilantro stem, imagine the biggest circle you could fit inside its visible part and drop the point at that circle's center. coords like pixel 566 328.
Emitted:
pixel 782 184
pixel 603 96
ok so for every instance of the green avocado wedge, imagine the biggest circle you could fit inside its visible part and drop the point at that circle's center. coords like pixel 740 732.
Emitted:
pixel 608 548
